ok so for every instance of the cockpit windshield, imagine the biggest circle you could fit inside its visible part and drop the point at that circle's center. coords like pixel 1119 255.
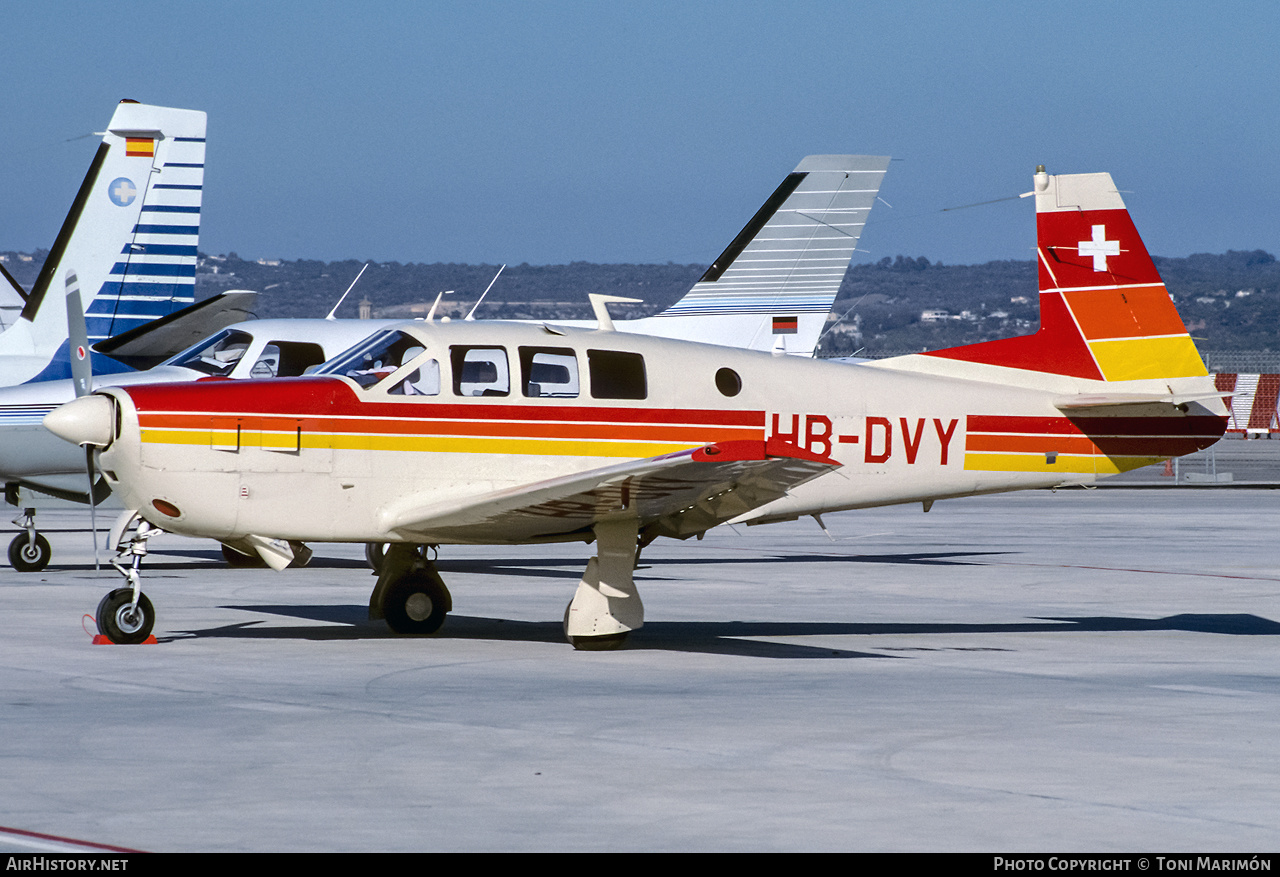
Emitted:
pixel 217 355
pixel 374 358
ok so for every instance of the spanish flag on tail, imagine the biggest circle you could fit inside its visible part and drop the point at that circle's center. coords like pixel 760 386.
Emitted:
pixel 144 147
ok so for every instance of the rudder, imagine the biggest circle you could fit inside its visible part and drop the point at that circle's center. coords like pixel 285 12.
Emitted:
pixel 1105 313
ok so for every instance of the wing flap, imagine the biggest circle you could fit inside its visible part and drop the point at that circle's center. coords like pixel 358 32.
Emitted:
pixel 678 495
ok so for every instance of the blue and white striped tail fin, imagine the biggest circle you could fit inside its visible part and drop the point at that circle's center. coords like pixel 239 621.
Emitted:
pixel 155 271
pixel 773 286
pixel 131 237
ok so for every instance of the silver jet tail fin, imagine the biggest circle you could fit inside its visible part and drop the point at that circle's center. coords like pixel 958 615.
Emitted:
pixel 774 285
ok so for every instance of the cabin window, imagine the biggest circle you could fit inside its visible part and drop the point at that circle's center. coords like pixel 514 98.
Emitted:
pixel 549 371
pixel 480 371
pixel 422 381
pixel 375 358
pixel 286 359
pixel 617 375
pixel 217 355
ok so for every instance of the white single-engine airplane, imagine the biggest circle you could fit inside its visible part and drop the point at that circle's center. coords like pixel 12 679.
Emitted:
pixel 771 289
pixel 497 433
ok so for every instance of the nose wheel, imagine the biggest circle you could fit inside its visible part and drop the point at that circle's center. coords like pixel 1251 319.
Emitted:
pixel 124 622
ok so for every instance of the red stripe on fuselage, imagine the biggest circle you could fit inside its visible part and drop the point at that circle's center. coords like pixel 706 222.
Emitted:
pixel 333 397
pixel 1112 436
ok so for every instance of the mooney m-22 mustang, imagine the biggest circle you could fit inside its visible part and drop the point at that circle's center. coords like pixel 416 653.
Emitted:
pixel 771 289
pixel 496 433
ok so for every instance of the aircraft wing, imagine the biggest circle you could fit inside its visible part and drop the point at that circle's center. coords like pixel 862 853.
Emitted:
pixel 152 343
pixel 679 495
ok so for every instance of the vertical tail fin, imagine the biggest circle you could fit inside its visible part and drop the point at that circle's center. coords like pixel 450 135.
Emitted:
pixel 774 284
pixel 131 236
pixel 1105 314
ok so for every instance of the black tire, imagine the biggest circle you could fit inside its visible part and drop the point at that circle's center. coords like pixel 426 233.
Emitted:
pixel 27 557
pixel 240 559
pixel 117 624
pixel 417 604
pixel 607 643
pixel 374 553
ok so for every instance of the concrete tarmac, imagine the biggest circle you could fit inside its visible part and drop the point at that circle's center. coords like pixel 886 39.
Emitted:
pixel 1070 671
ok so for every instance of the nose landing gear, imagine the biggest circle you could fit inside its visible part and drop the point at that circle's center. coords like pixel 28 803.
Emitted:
pixel 125 616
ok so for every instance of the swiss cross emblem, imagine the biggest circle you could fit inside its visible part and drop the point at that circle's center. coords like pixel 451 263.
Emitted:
pixel 1099 248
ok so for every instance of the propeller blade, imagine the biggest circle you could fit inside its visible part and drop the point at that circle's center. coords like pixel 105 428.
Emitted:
pixel 82 378
pixel 78 339
pixel 93 506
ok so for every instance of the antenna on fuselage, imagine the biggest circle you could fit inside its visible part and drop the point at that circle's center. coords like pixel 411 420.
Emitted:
pixel 472 314
pixel 344 295
pixel 600 305
pixel 431 314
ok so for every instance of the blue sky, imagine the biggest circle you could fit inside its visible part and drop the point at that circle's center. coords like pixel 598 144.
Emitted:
pixel 650 132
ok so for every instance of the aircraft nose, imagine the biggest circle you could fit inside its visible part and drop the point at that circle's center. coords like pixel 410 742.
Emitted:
pixel 89 420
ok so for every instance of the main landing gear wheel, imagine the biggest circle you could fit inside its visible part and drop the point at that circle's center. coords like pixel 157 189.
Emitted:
pixel 28 556
pixel 374 553
pixel 240 559
pixel 122 625
pixel 417 603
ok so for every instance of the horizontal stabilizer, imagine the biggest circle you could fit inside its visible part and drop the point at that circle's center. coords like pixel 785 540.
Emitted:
pixel 154 342
pixel 1124 400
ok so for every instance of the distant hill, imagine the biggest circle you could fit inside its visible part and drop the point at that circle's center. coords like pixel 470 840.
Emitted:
pixel 1230 301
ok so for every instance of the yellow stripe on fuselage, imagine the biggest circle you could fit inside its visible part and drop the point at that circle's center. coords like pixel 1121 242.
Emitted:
pixel 435 444
pixel 1066 463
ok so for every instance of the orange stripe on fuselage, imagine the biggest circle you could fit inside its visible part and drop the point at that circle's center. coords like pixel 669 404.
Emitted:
pixel 1154 437
pixel 693 433
pixel 329 407
pixel 1031 444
